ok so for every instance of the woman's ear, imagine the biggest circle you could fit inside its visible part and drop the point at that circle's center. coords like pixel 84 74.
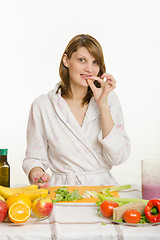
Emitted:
pixel 65 60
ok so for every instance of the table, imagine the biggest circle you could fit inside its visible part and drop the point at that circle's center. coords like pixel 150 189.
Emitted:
pixel 78 221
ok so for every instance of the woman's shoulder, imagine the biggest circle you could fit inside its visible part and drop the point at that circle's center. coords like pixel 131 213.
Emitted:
pixel 41 102
pixel 43 98
pixel 40 99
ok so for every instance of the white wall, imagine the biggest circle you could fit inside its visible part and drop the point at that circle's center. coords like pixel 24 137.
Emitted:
pixel 33 35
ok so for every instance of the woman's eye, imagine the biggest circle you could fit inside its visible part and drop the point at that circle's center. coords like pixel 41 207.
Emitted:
pixel 95 62
pixel 81 59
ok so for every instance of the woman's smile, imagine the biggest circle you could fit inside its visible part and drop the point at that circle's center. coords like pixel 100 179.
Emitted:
pixel 84 76
pixel 81 66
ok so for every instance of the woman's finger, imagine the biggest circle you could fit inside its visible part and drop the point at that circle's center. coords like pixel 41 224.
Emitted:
pixel 109 85
pixel 96 79
pixel 107 76
pixel 40 177
pixel 91 85
pixel 43 185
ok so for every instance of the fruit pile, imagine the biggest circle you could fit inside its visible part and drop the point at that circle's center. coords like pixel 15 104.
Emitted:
pixel 16 204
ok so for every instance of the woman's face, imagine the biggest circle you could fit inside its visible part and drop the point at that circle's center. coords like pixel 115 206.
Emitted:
pixel 80 66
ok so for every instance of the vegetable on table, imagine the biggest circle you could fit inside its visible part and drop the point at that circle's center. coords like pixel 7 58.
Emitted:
pixel 106 208
pixel 132 216
pixel 62 194
pixel 119 211
pixel 106 191
pixel 152 210
pixel 89 194
pixel 123 202
pixel 120 201
pixel 109 190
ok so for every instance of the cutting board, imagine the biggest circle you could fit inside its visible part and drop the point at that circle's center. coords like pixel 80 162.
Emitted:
pixel 82 190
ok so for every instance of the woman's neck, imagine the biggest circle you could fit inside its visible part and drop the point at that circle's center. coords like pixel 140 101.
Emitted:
pixel 77 95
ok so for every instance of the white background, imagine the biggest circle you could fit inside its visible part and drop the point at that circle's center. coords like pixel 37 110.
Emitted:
pixel 33 36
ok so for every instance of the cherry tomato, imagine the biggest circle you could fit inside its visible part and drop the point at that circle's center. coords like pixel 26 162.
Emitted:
pixel 106 208
pixel 132 216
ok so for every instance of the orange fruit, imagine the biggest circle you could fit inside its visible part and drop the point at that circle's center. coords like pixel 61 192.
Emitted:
pixel 19 212
pixel 18 197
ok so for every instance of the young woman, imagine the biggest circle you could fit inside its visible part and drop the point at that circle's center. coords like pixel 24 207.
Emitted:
pixel 77 129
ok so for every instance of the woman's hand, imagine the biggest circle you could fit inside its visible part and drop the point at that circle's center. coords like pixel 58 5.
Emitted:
pixel 39 177
pixel 108 83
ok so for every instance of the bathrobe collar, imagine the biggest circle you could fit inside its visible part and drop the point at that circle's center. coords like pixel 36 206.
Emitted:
pixel 66 116
pixel 64 111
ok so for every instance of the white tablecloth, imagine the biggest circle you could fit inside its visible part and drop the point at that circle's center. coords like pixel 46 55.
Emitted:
pixel 77 222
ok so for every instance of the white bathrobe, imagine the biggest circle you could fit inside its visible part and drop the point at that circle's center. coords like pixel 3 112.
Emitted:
pixel 75 155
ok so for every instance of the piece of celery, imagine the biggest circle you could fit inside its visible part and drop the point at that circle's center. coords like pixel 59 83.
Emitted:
pixel 120 201
pixel 114 189
pixel 62 194
pixel 89 194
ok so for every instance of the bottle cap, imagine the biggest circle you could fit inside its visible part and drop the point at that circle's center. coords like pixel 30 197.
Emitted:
pixel 3 151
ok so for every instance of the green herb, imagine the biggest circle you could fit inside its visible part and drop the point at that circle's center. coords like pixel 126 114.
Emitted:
pixel 144 219
pixel 62 194
pixel 120 220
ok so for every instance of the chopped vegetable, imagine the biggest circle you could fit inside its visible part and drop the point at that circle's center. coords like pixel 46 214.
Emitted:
pixel 89 194
pixel 107 191
pixel 152 210
pixel 62 194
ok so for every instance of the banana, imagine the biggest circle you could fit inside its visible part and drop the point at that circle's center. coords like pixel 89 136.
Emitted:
pixel 6 192
pixel 1 198
pixel 37 193
pixel 29 187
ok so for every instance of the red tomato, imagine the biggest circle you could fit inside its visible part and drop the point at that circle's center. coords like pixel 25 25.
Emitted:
pixel 132 216
pixel 107 208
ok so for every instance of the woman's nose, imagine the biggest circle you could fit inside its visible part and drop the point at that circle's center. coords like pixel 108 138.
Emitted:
pixel 89 68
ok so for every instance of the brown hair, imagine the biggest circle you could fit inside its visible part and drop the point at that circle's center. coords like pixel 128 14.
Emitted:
pixel 94 49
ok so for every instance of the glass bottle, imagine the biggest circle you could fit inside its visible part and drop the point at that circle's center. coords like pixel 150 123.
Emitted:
pixel 4 169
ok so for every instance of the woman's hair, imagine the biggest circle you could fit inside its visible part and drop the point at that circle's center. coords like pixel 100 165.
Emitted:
pixel 94 49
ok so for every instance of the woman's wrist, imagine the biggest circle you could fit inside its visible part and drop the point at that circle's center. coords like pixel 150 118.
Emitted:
pixel 104 108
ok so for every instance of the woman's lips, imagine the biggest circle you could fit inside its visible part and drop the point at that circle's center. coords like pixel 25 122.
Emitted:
pixel 85 76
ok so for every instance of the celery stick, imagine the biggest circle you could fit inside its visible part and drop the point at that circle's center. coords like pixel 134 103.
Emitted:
pixel 114 189
pixel 119 188
pixel 121 200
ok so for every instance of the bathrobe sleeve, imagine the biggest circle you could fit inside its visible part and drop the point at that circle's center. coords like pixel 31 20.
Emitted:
pixel 116 145
pixel 36 153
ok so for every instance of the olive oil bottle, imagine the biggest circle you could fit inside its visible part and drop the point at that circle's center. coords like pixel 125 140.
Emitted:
pixel 4 169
